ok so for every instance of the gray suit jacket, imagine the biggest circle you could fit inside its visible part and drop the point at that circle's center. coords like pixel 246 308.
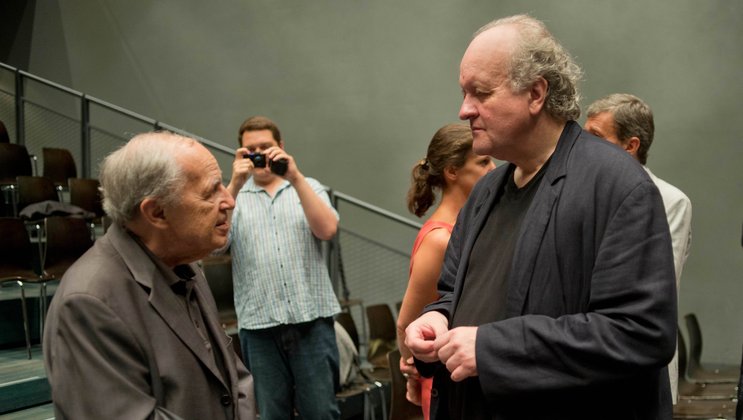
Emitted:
pixel 591 305
pixel 119 343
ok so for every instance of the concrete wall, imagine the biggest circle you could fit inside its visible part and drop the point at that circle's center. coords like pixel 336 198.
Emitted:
pixel 358 89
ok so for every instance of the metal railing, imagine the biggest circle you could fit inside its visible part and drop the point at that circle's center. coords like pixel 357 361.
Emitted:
pixel 368 260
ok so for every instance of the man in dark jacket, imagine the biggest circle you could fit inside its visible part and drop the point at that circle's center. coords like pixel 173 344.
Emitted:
pixel 557 292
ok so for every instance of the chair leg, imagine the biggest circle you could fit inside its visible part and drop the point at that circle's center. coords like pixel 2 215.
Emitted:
pixel 42 310
pixel 380 388
pixel 26 326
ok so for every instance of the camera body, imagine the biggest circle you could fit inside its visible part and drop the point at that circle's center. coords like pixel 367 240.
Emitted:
pixel 278 167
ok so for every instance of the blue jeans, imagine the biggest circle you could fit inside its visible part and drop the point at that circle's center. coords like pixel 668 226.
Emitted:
pixel 294 366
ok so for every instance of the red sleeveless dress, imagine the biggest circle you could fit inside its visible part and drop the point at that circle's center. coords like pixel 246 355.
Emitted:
pixel 426 383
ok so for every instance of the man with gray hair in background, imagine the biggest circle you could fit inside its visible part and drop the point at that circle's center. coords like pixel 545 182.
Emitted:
pixel 558 298
pixel 133 330
pixel 627 121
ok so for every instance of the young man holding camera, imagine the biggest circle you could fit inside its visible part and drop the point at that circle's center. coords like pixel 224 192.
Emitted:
pixel 283 295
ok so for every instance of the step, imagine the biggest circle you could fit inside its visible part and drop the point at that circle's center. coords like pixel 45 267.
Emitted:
pixel 40 412
pixel 23 382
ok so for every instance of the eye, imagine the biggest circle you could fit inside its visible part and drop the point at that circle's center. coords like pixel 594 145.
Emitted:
pixel 482 93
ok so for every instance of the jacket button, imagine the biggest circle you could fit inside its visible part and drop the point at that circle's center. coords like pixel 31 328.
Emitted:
pixel 434 392
pixel 226 400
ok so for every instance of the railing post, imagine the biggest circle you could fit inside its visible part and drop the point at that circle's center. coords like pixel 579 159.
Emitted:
pixel 85 135
pixel 20 132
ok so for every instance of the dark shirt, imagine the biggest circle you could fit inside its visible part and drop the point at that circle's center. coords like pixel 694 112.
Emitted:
pixel 484 293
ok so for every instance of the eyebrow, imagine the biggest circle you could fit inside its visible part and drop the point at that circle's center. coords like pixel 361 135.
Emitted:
pixel 213 185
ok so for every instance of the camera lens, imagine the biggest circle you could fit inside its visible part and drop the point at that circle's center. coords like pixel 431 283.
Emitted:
pixel 259 160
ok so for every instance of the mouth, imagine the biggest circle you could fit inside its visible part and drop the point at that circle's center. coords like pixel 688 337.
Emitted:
pixel 223 226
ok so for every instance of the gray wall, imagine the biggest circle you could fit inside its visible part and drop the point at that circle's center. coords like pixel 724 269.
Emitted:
pixel 358 89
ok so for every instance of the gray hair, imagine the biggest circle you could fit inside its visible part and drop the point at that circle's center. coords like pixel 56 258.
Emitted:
pixel 632 118
pixel 146 166
pixel 539 54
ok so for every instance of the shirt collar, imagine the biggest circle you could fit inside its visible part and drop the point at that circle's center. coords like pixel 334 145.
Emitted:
pixel 177 277
pixel 251 186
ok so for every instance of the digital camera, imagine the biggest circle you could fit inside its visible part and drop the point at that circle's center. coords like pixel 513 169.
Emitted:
pixel 278 167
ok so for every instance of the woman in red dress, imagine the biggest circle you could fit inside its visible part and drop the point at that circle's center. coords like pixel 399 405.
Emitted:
pixel 451 169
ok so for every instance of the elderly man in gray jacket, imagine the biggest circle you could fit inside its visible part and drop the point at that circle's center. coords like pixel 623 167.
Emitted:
pixel 133 331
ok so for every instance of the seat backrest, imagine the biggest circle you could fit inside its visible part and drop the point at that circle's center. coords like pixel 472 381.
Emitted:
pixel 400 407
pixel 58 165
pixel 14 162
pixel 346 321
pixel 381 322
pixel 17 255
pixel 382 333
pixel 67 238
pixel 682 359
pixel 695 342
pixel 35 189
pixel 85 194
pixel 4 137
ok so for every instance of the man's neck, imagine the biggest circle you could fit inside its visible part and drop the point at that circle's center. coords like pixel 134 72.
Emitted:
pixel 542 144
pixel 271 185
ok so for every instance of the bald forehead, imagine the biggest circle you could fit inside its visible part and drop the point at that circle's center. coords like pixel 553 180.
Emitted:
pixel 501 38
pixel 492 46
pixel 488 55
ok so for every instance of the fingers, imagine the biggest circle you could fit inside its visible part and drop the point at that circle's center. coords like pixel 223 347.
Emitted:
pixel 276 153
pixel 457 350
pixel 421 333
pixel 408 370
pixel 240 153
pixel 413 391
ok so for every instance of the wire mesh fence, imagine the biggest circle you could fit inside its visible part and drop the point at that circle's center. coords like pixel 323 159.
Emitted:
pixel 368 260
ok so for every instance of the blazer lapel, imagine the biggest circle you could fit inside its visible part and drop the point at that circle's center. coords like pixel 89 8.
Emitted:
pixel 535 224
pixel 162 298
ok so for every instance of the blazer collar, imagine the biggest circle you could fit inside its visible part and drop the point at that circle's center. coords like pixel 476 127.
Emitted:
pixel 534 227
pixel 557 169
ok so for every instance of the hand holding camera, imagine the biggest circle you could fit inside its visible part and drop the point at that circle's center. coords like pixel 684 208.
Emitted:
pixel 278 166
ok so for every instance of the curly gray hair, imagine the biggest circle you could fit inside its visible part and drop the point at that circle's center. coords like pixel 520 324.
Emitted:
pixel 539 54
pixel 146 166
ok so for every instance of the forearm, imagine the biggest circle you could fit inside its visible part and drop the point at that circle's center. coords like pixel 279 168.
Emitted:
pixel 321 218
pixel 234 187
pixel 412 306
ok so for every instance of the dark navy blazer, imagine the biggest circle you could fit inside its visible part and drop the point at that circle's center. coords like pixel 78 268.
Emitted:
pixel 591 305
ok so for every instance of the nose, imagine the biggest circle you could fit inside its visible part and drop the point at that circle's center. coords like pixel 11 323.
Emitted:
pixel 491 166
pixel 228 202
pixel 467 111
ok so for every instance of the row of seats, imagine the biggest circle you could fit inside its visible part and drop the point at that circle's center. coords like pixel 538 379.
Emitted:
pixel 21 188
pixel 59 241
pixel 705 391
pixel 15 160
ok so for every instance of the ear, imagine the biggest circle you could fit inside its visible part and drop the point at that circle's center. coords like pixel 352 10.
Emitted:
pixel 153 213
pixel 450 173
pixel 281 144
pixel 632 145
pixel 538 95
